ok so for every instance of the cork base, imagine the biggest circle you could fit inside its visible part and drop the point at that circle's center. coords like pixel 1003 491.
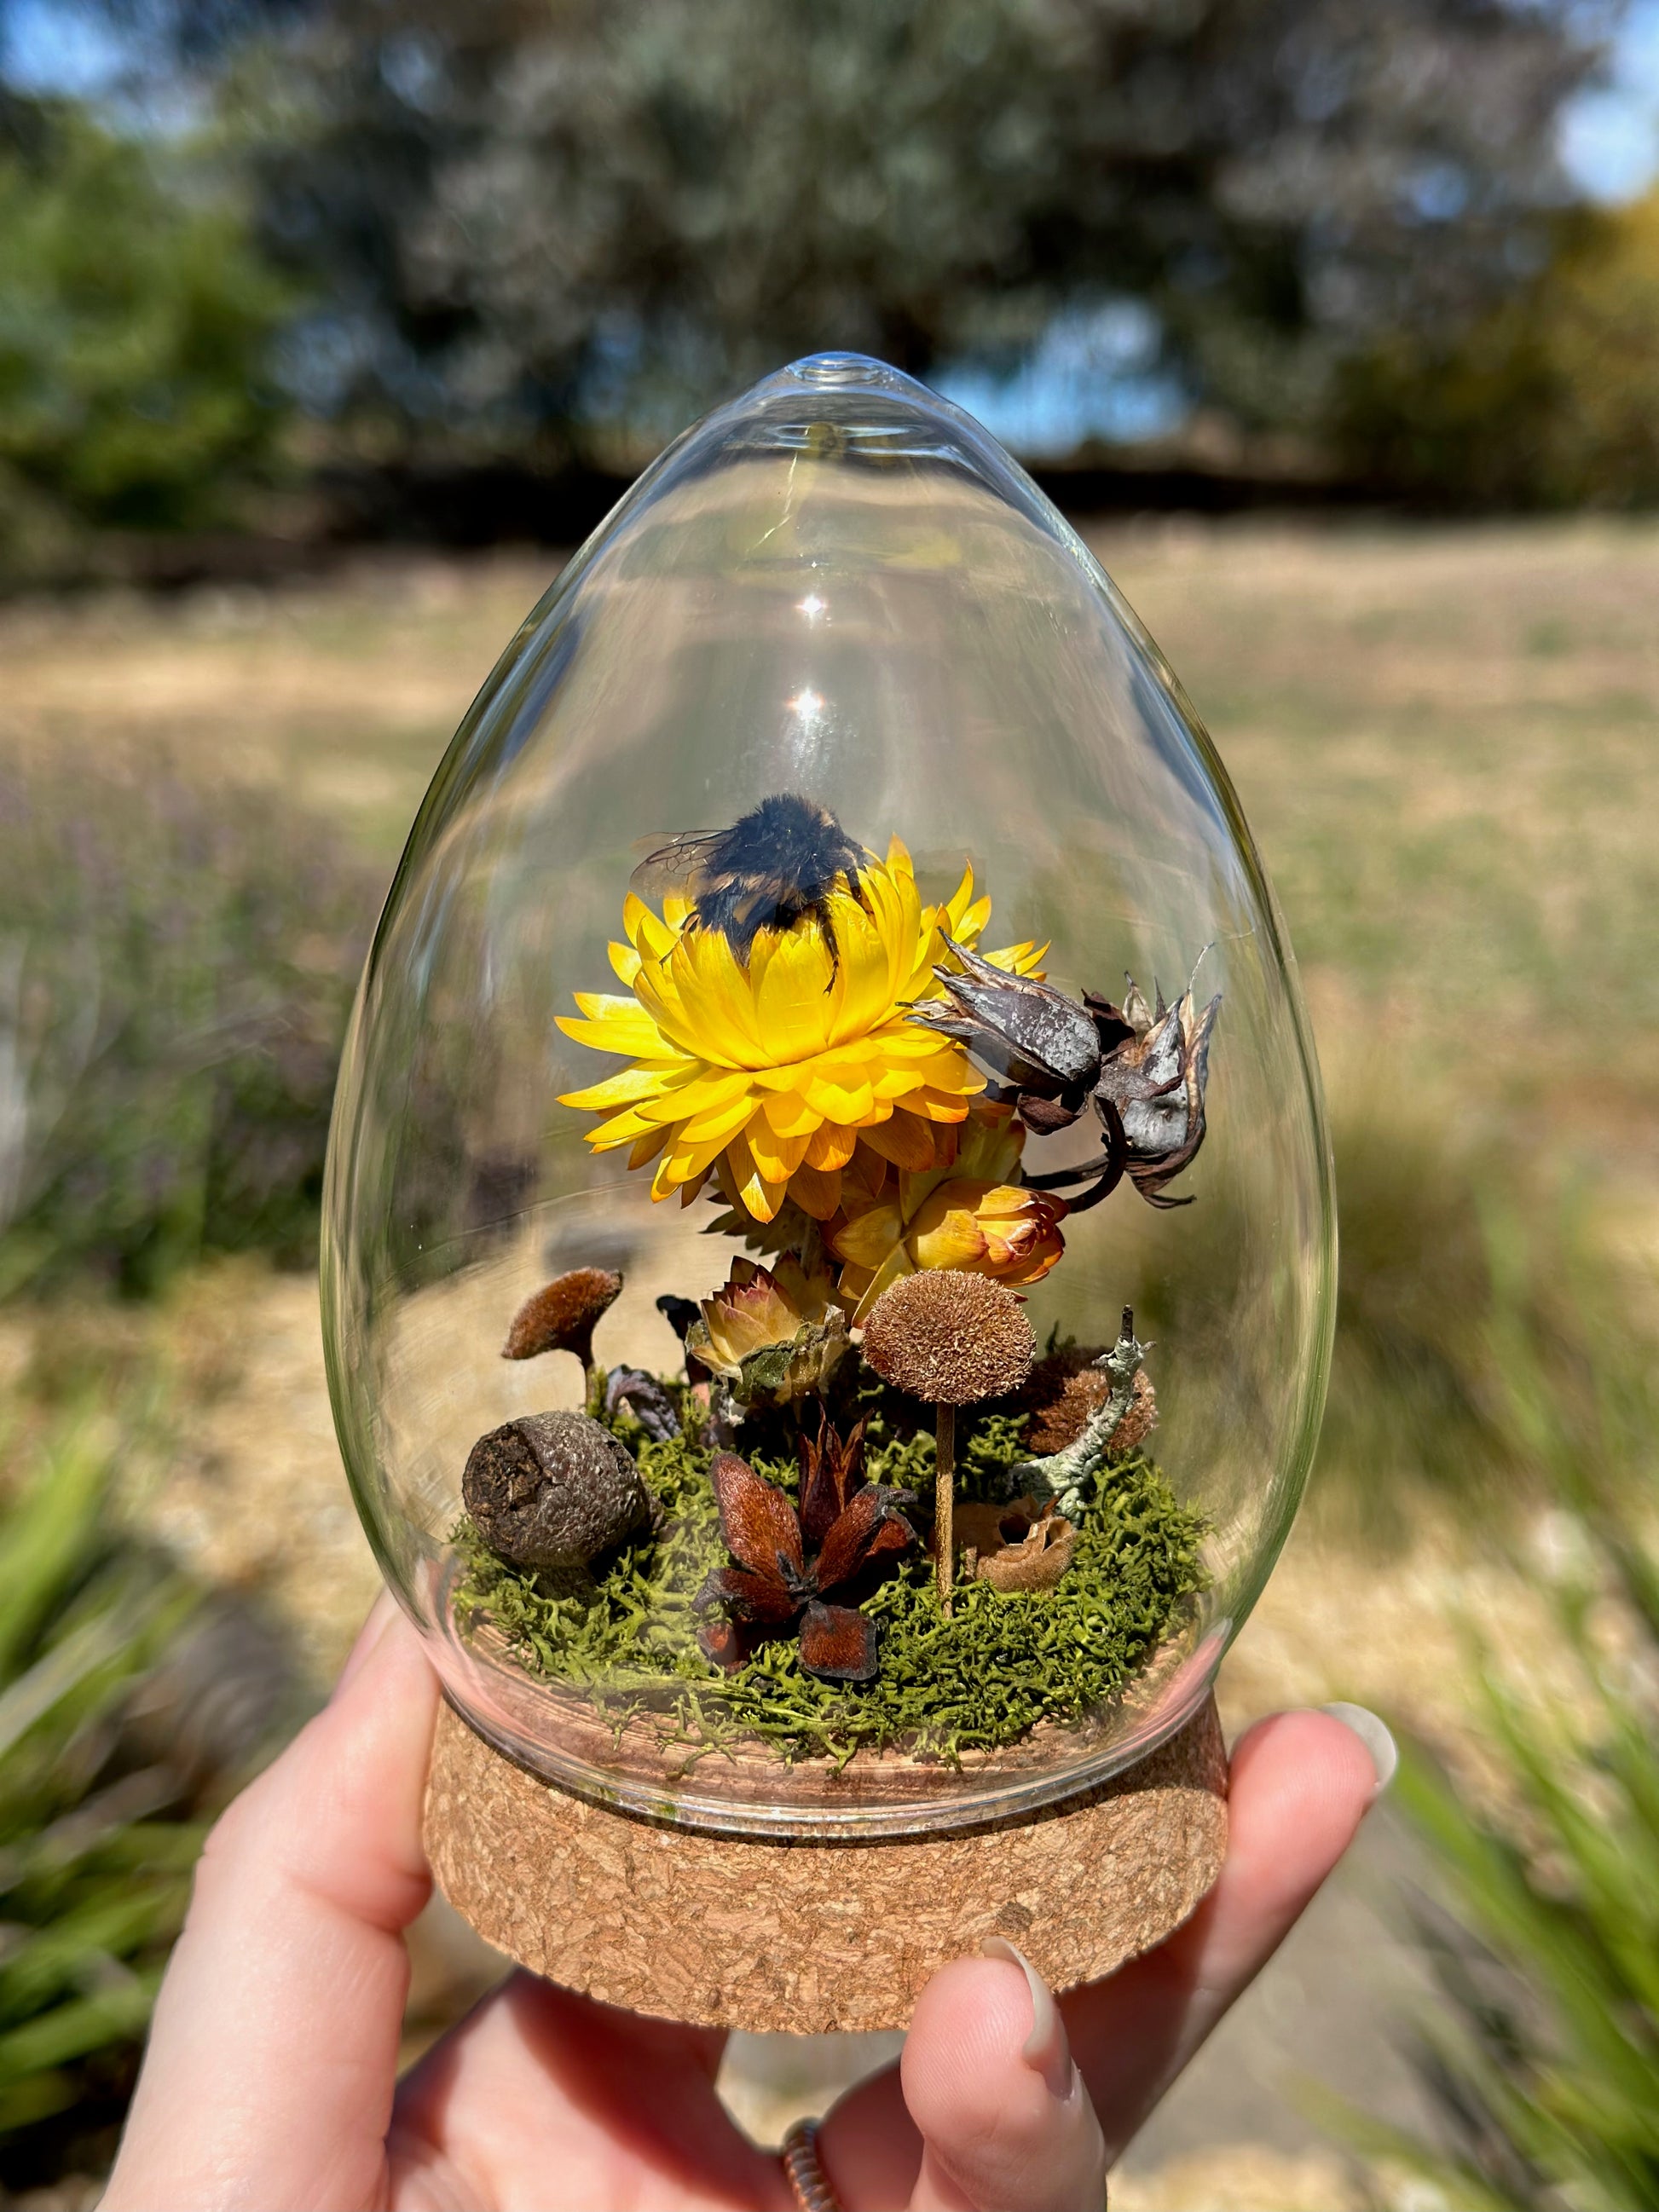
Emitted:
pixel 807 1938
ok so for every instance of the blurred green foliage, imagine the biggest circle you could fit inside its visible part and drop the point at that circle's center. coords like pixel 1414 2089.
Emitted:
pixel 95 1853
pixel 135 320
pixel 177 962
pixel 1542 2054
pixel 529 224
pixel 1551 399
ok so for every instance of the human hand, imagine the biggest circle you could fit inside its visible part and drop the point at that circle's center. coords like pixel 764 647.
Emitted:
pixel 271 2078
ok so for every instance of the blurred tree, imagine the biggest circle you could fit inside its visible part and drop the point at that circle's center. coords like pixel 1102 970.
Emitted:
pixel 133 323
pixel 537 218
pixel 1549 398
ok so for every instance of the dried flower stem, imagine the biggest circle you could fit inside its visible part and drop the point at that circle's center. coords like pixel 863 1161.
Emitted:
pixel 944 1548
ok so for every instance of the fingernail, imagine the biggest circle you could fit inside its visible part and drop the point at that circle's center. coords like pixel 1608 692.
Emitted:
pixel 1376 1737
pixel 1046 2050
pixel 380 1618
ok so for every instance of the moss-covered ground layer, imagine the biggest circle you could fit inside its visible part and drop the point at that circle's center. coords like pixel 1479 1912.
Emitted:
pixel 975 1681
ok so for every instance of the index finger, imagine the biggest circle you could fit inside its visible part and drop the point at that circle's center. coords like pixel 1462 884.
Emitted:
pixel 1298 1787
pixel 273 2053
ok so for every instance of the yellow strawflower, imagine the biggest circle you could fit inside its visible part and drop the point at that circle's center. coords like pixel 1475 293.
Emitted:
pixel 769 1074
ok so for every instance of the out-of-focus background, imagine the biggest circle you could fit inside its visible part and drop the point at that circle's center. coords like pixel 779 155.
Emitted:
pixel 326 330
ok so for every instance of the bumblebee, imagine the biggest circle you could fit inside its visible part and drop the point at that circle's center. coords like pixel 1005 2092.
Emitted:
pixel 769 870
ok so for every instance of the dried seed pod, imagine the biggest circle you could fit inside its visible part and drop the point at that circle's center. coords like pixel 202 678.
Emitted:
pixel 562 1316
pixel 1037 1561
pixel 949 1337
pixel 553 1490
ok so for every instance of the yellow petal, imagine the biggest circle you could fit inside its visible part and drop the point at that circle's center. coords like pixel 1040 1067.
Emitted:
pixel 838 1090
pixel 684 1159
pixel 647 1147
pixel 755 1194
pixel 815 1193
pixel 777 1158
pixel 791 977
pixel 788 1114
pixel 897 1264
pixel 905 1140
pixel 946 1233
pixel 704 1090
pixel 867 1238
pixel 830 1147
pixel 641 1081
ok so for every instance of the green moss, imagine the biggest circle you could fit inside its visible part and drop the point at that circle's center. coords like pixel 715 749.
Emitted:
pixel 973 1682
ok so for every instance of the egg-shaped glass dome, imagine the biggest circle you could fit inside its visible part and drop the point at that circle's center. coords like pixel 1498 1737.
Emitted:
pixel 828 1245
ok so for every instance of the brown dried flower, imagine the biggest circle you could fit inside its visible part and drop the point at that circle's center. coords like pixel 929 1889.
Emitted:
pixel 562 1317
pixel 950 1338
pixel 1066 1389
pixel 783 1574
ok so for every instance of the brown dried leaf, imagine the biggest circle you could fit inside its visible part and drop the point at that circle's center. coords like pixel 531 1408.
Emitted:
pixel 752 1596
pixel 838 1644
pixel 831 1471
pixel 757 1522
pixel 856 1534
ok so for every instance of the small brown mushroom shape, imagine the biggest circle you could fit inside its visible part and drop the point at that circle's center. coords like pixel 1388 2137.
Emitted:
pixel 562 1316
pixel 950 1339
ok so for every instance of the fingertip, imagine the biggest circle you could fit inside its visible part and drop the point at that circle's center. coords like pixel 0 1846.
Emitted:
pixel 988 2080
pixel 969 2027
pixel 1310 1767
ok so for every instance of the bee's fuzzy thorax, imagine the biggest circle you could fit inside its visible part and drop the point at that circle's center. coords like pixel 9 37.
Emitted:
pixel 775 865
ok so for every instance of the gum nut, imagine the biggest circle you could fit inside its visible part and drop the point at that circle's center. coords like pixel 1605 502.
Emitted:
pixel 553 1490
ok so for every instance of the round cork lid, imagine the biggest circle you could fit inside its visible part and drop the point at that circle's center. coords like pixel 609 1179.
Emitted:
pixel 807 1938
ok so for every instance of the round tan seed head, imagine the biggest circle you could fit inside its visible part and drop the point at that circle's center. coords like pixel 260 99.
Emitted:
pixel 949 1337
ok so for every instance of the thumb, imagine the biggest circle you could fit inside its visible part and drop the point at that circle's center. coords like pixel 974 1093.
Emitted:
pixel 987 2074
pixel 271 2060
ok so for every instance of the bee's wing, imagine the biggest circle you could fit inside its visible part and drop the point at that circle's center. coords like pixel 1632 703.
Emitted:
pixel 678 863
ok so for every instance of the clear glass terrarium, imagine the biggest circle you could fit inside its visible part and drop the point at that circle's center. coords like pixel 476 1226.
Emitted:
pixel 748 1143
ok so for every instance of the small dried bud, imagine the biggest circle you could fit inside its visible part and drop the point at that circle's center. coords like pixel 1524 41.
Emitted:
pixel 949 1338
pixel 562 1317
pixel 553 1490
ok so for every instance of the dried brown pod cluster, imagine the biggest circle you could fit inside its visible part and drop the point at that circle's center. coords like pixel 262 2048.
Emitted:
pixel 788 1563
pixel 950 1339
pixel 1141 1068
pixel 562 1316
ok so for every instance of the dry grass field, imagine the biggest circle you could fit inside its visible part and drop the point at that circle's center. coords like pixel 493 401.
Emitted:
pixel 1448 743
